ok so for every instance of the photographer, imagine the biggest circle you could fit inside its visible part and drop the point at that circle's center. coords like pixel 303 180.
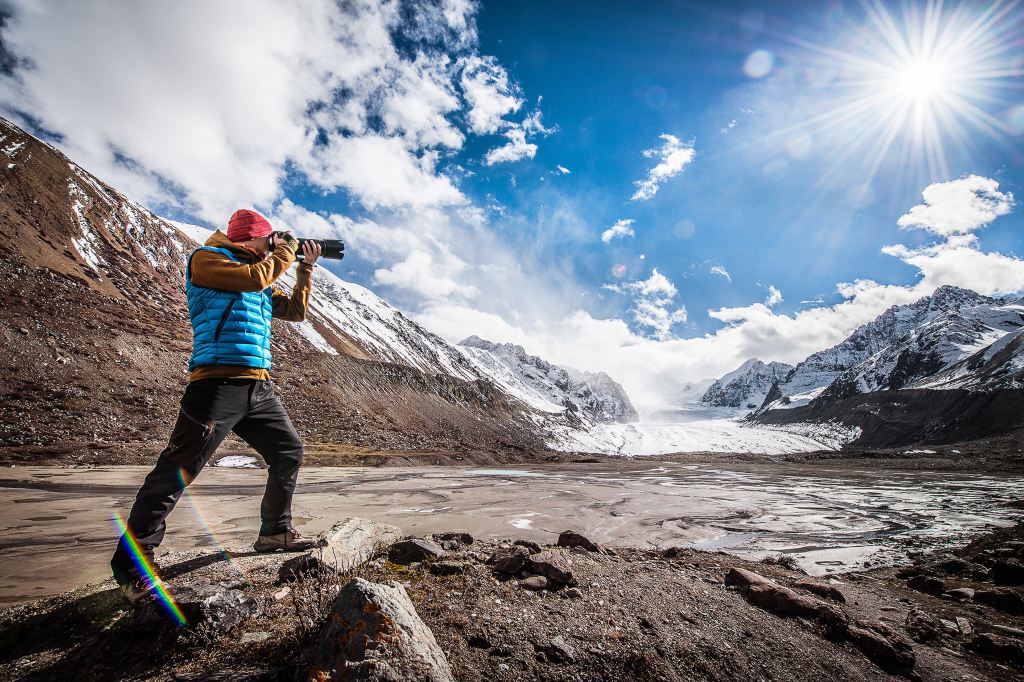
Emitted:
pixel 231 300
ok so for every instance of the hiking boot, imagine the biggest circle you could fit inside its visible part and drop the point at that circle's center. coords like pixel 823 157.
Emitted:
pixel 289 541
pixel 137 590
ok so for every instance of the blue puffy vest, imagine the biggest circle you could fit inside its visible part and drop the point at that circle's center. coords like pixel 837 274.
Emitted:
pixel 229 327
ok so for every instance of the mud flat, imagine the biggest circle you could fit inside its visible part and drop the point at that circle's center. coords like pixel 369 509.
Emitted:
pixel 56 531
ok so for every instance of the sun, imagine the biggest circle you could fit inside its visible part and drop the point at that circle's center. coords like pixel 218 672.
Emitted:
pixel 921 79
pixel 908 86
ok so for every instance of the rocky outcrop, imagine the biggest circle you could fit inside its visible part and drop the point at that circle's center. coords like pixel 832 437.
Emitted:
pixel 349 543
pixel 374 634
pixel 747 386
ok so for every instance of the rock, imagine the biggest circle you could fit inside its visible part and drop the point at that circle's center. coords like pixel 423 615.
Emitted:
pixel 217 608
pixel 1008 572
pixel 535 583
pixel 461 537
pixel 530 545
pixel 1010 601
pixel 1008 631
pixel 416 549
pixel 282 593
pixel 769 595
pixel 254 637
pixel 964 625
pixel 447 567
pixel 889 651
pixel 568 538
pixel 951 566
pixel 927 584
pixel 960 594
pixel 922 626
pixel 509 560
pixel 997 646
pixel 349 543
pixel 373 633
pixel 822 590
pixel 550 565
pixel 573 593
pixel 22 330
pixel 557 650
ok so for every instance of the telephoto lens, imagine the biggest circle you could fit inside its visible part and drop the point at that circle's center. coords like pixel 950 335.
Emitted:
pixel 329 248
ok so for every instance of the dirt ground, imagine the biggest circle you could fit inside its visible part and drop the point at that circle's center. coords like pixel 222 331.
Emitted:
pixel 632 615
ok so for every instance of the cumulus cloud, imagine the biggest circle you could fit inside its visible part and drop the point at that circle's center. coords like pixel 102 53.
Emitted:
pixel 490 92
pixel 516 149
pixel 673 156
pixel 959 206
pixel 774 296
pixel 652 300
pixel 721 272
pixel 620 230
pixel 216 107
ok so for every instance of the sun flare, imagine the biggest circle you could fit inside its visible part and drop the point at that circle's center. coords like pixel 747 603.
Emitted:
pixel 921 79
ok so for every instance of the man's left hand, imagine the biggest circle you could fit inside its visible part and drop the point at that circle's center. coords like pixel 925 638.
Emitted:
pixel 310 252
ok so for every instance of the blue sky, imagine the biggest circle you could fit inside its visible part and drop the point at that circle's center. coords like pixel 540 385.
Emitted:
pixel 784 142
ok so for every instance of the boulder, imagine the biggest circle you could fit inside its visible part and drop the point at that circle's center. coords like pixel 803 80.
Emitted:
pixel 922 626
pixel 552 566
pixel 459 536
pixel 530 545
pixel 414 550
pixel 1010 601
pixel 960 594
pixel 927 584
pixel 888 650
pixel 569 538
pixel 998 646
pixel 509 560
pixel 445 567
pixel 535 583
pixel 374 634
pixel 1008 572
pixel 770 596
pixel 349 543
pixel 557 650
pixel 216 608
pixel 822 590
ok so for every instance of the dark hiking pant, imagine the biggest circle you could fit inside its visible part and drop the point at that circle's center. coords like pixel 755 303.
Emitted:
pixel 210 409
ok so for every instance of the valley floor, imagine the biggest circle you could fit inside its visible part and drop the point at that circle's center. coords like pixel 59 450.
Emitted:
pixel 829 515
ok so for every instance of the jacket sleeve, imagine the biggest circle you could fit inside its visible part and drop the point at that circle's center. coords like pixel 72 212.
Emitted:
pixel 293 308
pixel 214 271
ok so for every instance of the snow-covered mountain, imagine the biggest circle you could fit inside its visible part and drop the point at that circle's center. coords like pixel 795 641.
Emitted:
pixel 747 385
pixel 596 398
pixel 901 348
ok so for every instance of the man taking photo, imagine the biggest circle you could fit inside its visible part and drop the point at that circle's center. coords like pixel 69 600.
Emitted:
pixel 231 300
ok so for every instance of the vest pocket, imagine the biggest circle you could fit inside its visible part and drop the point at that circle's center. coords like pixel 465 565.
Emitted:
pixel 188 439
pixel 223 320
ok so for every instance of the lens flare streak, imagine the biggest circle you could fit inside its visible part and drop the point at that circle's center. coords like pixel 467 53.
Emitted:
pixel 183 477
pixel 144 565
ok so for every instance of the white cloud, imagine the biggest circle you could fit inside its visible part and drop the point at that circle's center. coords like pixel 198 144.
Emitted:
pixel 490 93
pixel 563 170
pixel 516 149
pixel 721 271
pixel 381 172
pixel 959 206
pixel 418 273
pixel 620 230
pixel 674 156
pixel 774 296
pixel 652 298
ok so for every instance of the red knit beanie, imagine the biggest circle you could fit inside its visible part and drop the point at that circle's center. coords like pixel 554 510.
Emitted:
pixel 246 224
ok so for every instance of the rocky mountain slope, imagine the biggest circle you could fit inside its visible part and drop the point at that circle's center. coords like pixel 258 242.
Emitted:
pixel 747 385
pixel 591 397
pixel 98 339
pixel 916 371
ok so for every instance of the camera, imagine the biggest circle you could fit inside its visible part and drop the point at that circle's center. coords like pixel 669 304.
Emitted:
pixel 329 248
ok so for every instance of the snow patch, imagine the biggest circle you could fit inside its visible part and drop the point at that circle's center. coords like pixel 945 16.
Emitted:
pixel 237 462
